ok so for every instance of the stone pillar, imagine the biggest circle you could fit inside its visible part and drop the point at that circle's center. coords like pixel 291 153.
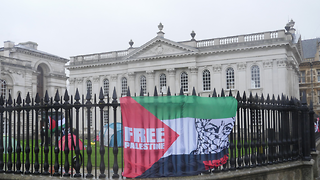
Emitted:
pixel 95 87
pixel 193 82
pixel 150 82
pixel 282 77
pixel 217 78
pixel 171 80
pixel 113 84
pixel 241 77
pixel 132 83
pixel 267 77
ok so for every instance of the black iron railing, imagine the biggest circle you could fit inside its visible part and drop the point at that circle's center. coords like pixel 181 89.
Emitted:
pixel 267 131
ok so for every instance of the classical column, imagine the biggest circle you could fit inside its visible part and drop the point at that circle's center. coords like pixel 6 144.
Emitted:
pixel 267 77
pixel 281 79
pixel 150 82
pixel 216 78
pixel 113 84
pixel 171 80
pixel 193 79
pixel 241 76
pixel 95 86
pixel 132 83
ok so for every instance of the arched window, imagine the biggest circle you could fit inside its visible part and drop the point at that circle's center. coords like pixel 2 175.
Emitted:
pixel 184 82
pixel 3 90
pixel 163 83
pixel 255 77
pixel 106 87
pixel 206 80
pixel 124 86
pixel 143 84
pixel 230 78
pixel 89 87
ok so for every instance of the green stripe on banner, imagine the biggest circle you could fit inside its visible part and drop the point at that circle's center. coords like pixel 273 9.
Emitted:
pixel 169 107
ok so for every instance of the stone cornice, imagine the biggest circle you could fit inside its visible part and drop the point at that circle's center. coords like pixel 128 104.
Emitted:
pixel 39 54
pixel 209 52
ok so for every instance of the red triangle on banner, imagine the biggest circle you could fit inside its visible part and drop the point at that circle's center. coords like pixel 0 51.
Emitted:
pixel 145 137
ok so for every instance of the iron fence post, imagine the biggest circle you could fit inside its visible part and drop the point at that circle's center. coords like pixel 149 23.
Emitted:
pixel 305 130
pixel 312 132
pixel 27 106
pixel 115 147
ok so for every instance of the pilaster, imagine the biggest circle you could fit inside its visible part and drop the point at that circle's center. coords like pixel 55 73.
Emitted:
pixel 171 80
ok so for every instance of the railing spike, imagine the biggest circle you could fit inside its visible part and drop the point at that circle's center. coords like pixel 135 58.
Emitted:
pixel 168 92
pixel 88 97
pixel 244 97
pixel 141 91
pixel 238 96
pixel 262 98
pixel 46 97
pixel 128 92
pixel 230 93
pixel 268 99
pixel 28 100
pixel 77 96
pixel 222 93
pixel 114 95
pixel 181 91
pixel 57 97
pixel 214 94
pixel 19 99
pixel 37 100
pixel 101 96
pixel 66 95
pixel 194 91
pixel 155 91
pixel 1 100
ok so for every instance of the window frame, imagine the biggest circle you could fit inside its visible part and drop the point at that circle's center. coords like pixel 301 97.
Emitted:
pixel 143 84
pixel 184 82
pixel 163 82
pixel 206 80
pixel 89 87
pixel 255 77
pixel 230 80
pixel 124 86
pixel 106 87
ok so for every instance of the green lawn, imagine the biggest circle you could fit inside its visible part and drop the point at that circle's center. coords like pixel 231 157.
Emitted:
pixel 95 156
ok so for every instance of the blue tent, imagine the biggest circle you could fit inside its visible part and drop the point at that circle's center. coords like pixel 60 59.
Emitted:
pixel 109 130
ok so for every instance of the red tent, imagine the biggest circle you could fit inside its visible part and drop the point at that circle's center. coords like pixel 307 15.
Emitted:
pixel 69 142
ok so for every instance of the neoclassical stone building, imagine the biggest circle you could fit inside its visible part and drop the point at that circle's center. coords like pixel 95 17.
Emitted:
pixel 265 62
pixel 24 69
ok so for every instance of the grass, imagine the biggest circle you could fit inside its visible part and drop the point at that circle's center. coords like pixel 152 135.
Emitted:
pixel 95 156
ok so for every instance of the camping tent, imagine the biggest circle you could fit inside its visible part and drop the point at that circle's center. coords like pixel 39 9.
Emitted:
pixel 109 130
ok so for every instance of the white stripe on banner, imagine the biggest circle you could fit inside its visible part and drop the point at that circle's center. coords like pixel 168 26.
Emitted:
pixel 211 134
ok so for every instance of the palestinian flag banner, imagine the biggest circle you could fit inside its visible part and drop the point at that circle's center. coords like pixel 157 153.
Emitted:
pixel 52 123
pixel 175 135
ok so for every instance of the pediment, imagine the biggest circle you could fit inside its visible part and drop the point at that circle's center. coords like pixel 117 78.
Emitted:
pixel 160 47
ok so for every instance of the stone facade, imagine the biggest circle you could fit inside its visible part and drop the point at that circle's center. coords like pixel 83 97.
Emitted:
pixel 265 62
pixel 26 69
pixel 309 82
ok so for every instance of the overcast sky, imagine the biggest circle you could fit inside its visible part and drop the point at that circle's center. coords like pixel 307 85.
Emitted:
pixel 75 27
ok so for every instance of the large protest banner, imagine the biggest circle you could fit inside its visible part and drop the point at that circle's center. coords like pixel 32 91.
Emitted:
pixel 175 135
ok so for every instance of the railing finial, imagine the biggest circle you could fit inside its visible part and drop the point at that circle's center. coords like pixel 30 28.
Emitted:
pixel 168 92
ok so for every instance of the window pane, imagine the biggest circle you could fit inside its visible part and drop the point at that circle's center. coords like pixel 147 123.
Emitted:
pixel 89 87
pixel 3 89
pixel 206 80
pixel 230 78
pixel 106 87
pixel 163 83
pixel 255 77
pixel 302 77
pixel 184 82
pixel 143 84
pixel 124 86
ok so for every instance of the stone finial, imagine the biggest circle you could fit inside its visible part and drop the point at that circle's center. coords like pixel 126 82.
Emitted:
pixel 289 25
pixel 131 43
pixel 160 26
pixel 160 33
pixel 193 34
